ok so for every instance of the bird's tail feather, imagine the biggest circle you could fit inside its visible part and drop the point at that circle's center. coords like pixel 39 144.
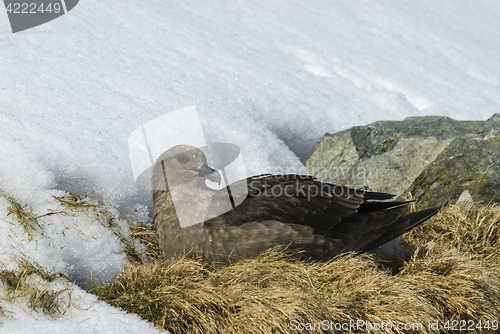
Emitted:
pixel 377 206
pixel 417 218
pixel 368 195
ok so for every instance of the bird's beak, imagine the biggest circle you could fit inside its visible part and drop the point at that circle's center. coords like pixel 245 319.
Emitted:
pixel 209 173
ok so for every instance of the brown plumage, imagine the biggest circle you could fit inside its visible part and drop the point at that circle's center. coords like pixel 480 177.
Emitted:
pixel 294 211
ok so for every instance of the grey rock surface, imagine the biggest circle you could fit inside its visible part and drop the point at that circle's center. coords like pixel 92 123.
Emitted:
pixel 434 159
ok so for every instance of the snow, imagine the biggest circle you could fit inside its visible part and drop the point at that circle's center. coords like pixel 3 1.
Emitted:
pixel 91 316
pixel 270 77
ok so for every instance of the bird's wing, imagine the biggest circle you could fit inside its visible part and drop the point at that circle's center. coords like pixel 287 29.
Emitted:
pixel 319 218
pixel 293 199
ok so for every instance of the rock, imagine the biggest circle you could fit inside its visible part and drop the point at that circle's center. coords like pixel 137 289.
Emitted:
pixel 432 158
pixel 495 118
pixel 466 199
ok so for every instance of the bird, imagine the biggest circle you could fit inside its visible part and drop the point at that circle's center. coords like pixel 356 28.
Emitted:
pixel 289 211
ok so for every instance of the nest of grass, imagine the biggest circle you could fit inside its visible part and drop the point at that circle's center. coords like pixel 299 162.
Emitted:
pixel 448 270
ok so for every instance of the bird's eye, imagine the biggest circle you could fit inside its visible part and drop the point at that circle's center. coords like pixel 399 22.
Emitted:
pixel 182 159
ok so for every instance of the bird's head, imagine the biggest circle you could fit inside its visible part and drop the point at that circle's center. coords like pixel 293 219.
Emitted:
pixel 182 164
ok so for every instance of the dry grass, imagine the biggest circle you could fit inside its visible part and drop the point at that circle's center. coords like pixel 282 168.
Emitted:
pixel 148 238
pixel 447 271
pixel 474 230
pixel 17 285
pixel 28 220
pixel 20 284
pixel 85 203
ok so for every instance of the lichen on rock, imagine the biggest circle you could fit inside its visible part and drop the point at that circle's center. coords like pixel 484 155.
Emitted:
pixel 434 159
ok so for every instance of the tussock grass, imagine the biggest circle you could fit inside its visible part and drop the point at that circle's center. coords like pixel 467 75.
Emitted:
pixel 85 203
pixel 29 268
pixel 48 301
pixel 148 238
pixel 448 270
pixel 475 230
pixel 76 202
pixel 30 284
pixel 17 285
pixel 26 218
